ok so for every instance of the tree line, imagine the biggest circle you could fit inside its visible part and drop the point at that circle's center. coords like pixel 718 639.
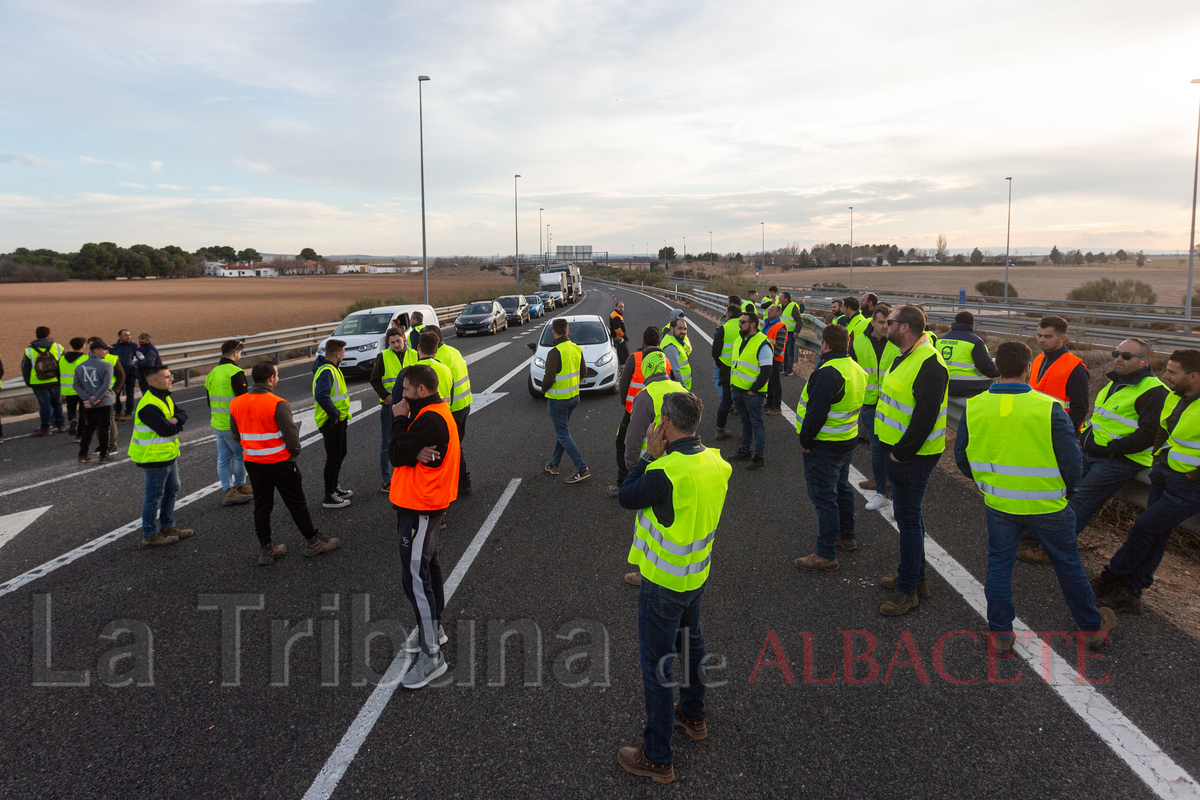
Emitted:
pixel 105 261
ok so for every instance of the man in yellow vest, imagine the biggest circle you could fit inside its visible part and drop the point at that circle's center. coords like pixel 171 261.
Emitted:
pixel 66 380
pixel 753 359
pixel 793 320
pixel 872 351
pixel 385 380
pixel 39 368
pixel 459 401
pixel 225 382
pixel 678 349
pixel 827 420
pixel 910 420
pixel 560 385
pixel 154 446
pixel 1118 441
pixel 1020 449
pixel 1174 489
pixel 332 415
pixel 728 333
pixel 678 490
pixel 966 356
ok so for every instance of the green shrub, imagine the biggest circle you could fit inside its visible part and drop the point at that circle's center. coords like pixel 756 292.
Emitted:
pixel 994 288
pixel 1106 290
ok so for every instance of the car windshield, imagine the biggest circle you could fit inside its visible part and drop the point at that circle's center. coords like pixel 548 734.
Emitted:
pixel 588 331
pixel 532 298
pixel 543 295
pixel 363 325
pixel 478 308
pixel 510 302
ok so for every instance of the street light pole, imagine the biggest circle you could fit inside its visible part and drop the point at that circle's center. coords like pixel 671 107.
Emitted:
pixel 1007 238
pixel 540 210
pixel 764 248
pixel 685 256
pixel 852 248
pixel 421 127
pixel 1192 240
pixel 710 255
pixel 516 235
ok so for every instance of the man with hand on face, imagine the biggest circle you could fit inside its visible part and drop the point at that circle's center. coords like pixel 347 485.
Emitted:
pixel 425 453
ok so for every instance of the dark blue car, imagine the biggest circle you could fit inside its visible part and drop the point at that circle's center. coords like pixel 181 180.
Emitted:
pixel 536 309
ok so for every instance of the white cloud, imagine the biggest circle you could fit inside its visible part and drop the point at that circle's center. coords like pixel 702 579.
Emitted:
pixel 26 160
pixel 117 164
pixel 131 185
pixel 170 186
pixel 156 167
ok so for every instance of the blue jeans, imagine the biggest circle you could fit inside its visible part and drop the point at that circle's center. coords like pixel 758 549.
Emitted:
pixel 750 408
pixel 231 467
pixel 668 625
pixel 162 486
pixel 1056 533
pixel 560 417
pixel 866 424
pixel 385 440
pixel 789 352
pixel 909 480
pixel 49 401
pixel 726 391
pixel 828 477
pixel 775 387
pixel 1102 477
pixel 717 376
pixel 1173 498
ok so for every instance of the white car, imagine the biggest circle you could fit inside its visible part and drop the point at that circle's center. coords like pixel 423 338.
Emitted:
pixel 363 333
pixel 592 335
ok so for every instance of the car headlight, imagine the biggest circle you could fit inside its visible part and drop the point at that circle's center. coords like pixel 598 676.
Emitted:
pixel 539 362
pixel 604 359
pixel 365 347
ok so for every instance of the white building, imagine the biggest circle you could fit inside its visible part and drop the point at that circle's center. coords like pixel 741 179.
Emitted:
pixel 219 270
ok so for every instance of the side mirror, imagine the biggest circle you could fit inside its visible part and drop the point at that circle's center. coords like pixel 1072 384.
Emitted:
pixel 532 345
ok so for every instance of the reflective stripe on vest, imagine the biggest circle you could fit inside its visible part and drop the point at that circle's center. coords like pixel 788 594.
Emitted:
pixel 391 370
pixel 677 556
pixel 959 355
pixel 1011 451
pixel 685 366
pixel 730 335
pixel 841 424
pixel 429 487
pixel 657 391
pixel 1054 382
pixel 894 411
pixel 875 366
pixel 146 446
pixel 337 393
pixel 261 440
pixel 66 374
pixel 745 368
pixel 1183 443
pixel 460 388
pixel 566 382
pixel 219 385
pixel 1115 415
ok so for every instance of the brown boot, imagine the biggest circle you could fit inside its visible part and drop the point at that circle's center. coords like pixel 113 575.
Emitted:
pixel 634 760
pixel 814 563
pixel 245 488
pixel 633 578
pixel 1108 621
pixel 268 554
pixel 320 544
pixel 899 605
pixel 179 533
pixel 695 728
pixel 869 483
pixel 232 497
pixel 1033 555
pixel 39 433
pixel 922 586
pixel 158 540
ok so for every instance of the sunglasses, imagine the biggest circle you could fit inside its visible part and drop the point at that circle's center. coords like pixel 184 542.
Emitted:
pixel 1127 356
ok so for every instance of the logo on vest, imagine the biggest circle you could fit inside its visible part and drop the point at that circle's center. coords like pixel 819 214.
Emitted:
pixel 947 350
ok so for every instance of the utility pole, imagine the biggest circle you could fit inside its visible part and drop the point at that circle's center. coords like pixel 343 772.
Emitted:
pixel 421 128
pixel 851 248
pixel 540 210
pixel 1007 238
pixel 516 236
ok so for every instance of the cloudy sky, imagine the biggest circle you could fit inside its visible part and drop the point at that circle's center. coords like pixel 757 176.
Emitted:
pixel 282 124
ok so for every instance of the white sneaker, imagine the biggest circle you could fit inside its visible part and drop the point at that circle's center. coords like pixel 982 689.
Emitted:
pixel 424 670
pixel 877 502
pixel 413 643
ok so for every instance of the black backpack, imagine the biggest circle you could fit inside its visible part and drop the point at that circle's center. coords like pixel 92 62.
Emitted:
pixel 45 366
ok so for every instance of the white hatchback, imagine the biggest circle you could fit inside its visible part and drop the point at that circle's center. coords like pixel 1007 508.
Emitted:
pixel 600 365
pixel 363 333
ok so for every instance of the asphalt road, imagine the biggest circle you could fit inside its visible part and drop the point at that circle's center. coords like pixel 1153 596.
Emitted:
pixel 540 582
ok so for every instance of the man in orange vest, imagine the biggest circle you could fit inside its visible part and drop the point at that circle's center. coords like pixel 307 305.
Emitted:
pixel 270 439
pixel 628 387
pixel 1058 372
pixel 425 452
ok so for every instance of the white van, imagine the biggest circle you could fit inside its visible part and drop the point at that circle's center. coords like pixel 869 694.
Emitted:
pixel 363 333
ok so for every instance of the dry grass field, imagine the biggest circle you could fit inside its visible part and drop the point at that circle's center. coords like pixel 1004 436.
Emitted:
pixel 1166 275
pixel 205 308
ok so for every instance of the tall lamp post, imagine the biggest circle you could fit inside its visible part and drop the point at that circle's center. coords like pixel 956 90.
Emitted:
pixel 1007 238
pixel 421 127
pixel 685 256
pixel 516 235
pixel 851 248
pixel 1192 240
pixel 540 210
pixel 764 248
pixel 710 255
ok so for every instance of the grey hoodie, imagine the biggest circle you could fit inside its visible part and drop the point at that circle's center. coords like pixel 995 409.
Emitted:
pixel 93 381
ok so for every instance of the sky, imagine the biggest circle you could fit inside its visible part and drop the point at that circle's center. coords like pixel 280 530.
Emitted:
pixel 284 124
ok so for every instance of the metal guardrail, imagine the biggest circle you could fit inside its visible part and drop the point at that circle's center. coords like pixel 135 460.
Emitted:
pixel 186 356
pixel 1135 491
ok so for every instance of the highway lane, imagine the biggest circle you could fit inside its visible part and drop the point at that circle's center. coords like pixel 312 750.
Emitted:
pixel 555 556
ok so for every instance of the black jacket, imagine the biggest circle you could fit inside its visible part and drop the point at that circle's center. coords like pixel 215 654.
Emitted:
pixel 826 386
pixel 1149 410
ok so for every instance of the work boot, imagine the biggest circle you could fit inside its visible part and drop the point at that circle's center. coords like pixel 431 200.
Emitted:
pixel 39 434
pixel 814 563
pixel 320 544
pixel 1104 584
pixel 757 462
pixel 1108 621
pixel 634 760
pixel 633 578
pixel 773 412
pixel 245 488
pixel 848 545
pixel 723 433
pixel 899 605
pixel 1004 643
pixel 869 483
pixel 922 586
pixel 1033 555
pixel 740 455
pixel 695 728
pixel 268 554
pixel 1122 599
pixel 73 428
pixel 179 533
pixel 233 497
pixel 614 490
pixel 158 540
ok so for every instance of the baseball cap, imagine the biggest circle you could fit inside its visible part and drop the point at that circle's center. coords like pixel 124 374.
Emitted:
pixel 98 345
pixel 678 314
pixel 654 363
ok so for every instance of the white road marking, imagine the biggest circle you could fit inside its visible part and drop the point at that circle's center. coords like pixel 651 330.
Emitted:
pixel 491 389
pixel 691 329
pixel 483 400
pixel 12 584
pixel 335 767
pixel 471 359
pixel 12 524
pixel 308 418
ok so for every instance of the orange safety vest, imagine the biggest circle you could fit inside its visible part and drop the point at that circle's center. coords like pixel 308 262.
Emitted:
pixel 1054 382
pixel 773 332
pixel 254 415
pixel 637 381
pixel 426 488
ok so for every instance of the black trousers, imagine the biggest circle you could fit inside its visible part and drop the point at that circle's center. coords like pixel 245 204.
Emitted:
pixel 622 352
pixel 283 476
pixel 73 406
pixel 127 390
pixel 95 420
pixel 422 585
pixel 334 435
pixel 622 431
pixel 460 421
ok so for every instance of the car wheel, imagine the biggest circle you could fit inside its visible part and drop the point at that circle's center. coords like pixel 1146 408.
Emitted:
pixel 459 334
